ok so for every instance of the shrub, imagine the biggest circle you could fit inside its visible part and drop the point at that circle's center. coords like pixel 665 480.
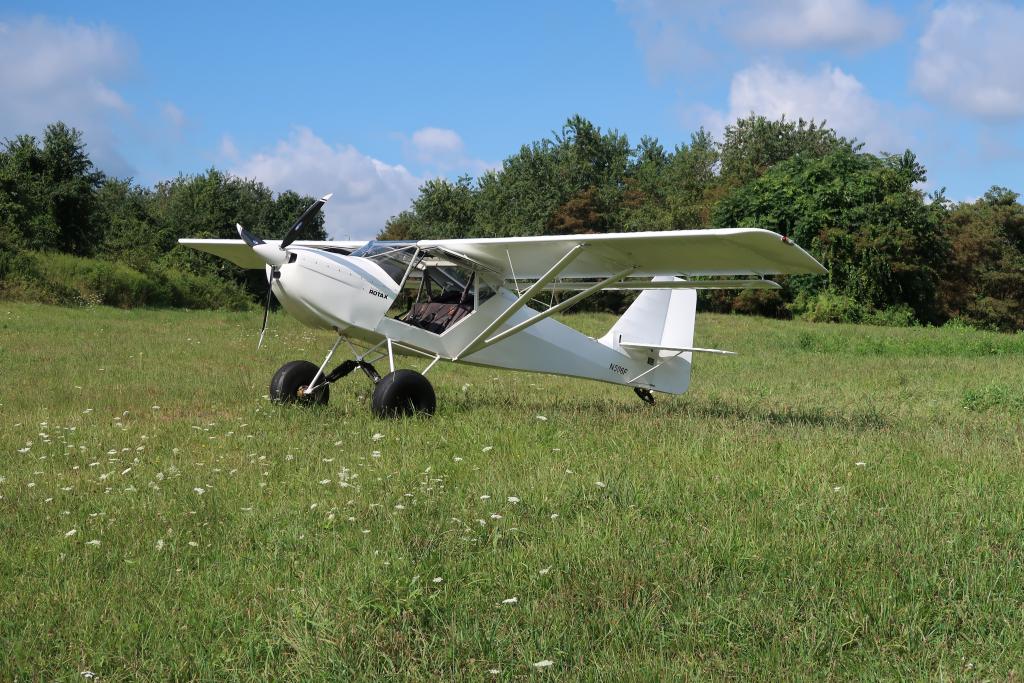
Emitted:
pixel 67 280
pixel 828 307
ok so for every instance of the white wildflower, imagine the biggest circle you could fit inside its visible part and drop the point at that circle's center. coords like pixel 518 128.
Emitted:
pixel 71 533
pixel 513 499
pixel 554 515
pixel 199 490
pixel 377 436
pixel 324 482
pixel 485 497
pixel 510 601
pixel 193 544
pixel 545 571
pixel 487 448
pixel 542 664
pixel 438 579
pixel 837 488
pixel 860 463
pixel 399 507
pixel 542 418
pixel 495 516
pixel 93 542
pixel 160 544
pixel 600 484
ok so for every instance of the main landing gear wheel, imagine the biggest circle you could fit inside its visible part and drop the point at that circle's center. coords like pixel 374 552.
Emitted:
pixel 291 380
pixel 403 393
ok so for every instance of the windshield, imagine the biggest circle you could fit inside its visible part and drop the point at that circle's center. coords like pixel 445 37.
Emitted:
pixel 393 257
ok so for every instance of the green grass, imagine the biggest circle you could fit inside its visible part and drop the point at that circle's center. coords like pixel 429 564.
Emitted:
pixel 836 502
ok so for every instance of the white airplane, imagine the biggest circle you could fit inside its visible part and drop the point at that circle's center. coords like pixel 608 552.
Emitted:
pixel 467 301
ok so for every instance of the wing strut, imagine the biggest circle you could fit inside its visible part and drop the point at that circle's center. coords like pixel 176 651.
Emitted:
pixel 479 341
pixel 559 306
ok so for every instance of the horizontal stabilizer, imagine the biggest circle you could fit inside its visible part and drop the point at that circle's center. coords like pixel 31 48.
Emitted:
pixel 679 349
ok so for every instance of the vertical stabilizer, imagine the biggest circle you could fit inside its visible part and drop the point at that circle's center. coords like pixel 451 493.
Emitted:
pixel 659 318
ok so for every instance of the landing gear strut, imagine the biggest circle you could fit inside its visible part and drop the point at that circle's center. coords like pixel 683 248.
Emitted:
pixel 397 394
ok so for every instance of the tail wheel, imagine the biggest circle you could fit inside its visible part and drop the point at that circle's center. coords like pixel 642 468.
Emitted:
pixel 403 393
pixel 290 382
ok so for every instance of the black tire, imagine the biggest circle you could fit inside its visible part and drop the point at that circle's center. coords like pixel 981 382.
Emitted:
pixel 293 376
pixel 403 393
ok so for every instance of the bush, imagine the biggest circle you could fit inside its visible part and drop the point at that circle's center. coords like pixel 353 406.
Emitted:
pixel 895 316
pixel 828 307
pixel 67 280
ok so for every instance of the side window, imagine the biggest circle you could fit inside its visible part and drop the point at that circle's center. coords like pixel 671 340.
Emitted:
pixel 484 291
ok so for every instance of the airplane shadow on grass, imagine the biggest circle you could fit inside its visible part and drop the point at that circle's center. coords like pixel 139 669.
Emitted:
pixel 710 408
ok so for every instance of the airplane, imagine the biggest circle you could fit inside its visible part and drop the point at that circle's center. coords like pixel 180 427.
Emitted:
pixel 475 301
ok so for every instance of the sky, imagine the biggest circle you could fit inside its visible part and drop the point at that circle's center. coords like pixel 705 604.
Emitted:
pixel 369 100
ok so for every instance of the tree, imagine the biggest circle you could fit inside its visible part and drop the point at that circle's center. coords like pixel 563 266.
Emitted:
pixel 48 192
pixel 983 281
pixel 754 144
pixel 861 216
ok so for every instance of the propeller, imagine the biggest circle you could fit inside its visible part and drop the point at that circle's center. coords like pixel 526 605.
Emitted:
pixel 275 255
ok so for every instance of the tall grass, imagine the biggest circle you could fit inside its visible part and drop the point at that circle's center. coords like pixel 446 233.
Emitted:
pixel 836 502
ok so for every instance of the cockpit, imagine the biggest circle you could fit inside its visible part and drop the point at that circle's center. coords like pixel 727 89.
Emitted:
pixel 437 290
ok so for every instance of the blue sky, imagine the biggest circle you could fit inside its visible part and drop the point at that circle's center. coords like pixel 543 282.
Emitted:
pixel 368 101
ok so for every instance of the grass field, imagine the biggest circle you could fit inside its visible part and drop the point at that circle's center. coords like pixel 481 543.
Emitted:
pixel 836 502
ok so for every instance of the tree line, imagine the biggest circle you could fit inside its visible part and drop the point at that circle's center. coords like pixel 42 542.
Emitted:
pixel 895 254
pixel 70 234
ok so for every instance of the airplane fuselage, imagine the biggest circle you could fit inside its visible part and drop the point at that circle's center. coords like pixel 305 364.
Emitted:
pixel 351 295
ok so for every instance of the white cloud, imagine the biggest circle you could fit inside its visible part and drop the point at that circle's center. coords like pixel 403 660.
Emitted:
pixel 228 149
pixel 970 59
pixel 443 151
pixel 686 35
pixel 173 115
pixel 51 72
pixel 853 24
pixel 433 142
pixel 367 191
pixel 829 94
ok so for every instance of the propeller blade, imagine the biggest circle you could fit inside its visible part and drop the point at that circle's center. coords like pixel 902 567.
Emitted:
pixel 266 306
pixel 247 237
pixel 313 210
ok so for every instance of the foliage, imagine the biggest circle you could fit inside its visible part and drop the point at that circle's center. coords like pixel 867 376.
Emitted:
pixel 80 281
pixel 863 218
pixel 53 201
pixel 983 281
pixel 894 256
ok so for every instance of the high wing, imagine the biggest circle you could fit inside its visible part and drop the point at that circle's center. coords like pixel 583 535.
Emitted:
pixel 688 253
pixel 241 254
